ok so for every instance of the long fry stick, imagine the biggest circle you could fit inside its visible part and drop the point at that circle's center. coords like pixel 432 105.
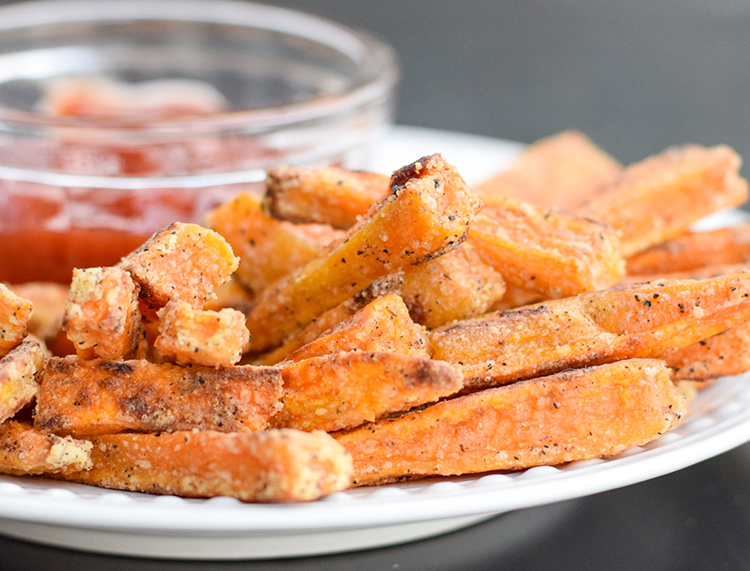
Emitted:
pixel 575 415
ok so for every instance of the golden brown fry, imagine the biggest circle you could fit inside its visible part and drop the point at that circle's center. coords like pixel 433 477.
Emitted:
pixel 267 466
pixel 344 390
pixel 196 337
pixel 694 250
pixel 100 397
pixel 561 171
pixel 642 320
pixel 26 450
pixel 19 371
pixel 553 253
pixel 718 356
pixel 48 300
pixel 327 195
pixel 457 285
pixel 182 261
pixel 101 315
pixel 268 249
pixel 15 313
pixel 382 325
pixel 381 286
pixel 574 415
pixel 427 214
pixel 659 198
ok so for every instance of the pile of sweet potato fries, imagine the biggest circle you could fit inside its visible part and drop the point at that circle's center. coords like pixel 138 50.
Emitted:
pixel 351 328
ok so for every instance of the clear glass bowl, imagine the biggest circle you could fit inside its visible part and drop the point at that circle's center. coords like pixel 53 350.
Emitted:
pixel 80 190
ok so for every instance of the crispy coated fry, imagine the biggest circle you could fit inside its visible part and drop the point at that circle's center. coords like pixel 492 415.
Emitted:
pixel 19 371
pixel 695 250
pixel 382 325
pixel 427 214
pixel 100 397
pixel 268 249
pixel 325 195
pixel 642 320
pixel 457 285
pixel 575 415
pixel 660 197
pixel 727 353
pixel 553 253
pixel 197 337
pixel 15 313
pixel 48 300
pixel 561 171
pixel 344 390
pixel 26 450
pixel 267 466
pixel 101 315
pixel 343 311
pixel 182 261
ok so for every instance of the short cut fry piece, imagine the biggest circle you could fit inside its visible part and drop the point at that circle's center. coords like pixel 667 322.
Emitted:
pixel 100 397
pixel 19 371
pixel 693 250
pixel 268 249
pixel 198 337
pixel 15 313
pixel 101 316
pixel 343 311
pixel 428 213
pixel 643 320
pixel 328 195
pixel 457 285
pixel 561 171
pixel 382 325
pixel 575 415
pixel 182 261
pixel 659 198
pixel 24 450
pixel 727 353
pixel 48 300
pixel 267 466
pixel 553 253
pixel 344 390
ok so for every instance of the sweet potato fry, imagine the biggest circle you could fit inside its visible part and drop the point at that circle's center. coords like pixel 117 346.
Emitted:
pixel 553 253
pixel 382 325
pixel 324 195
pixel 25 450
pixel 19 371
pixel 427 214
pixel 101 315
pixel 718 356
pixel 268 249
pixel 642 320
pixel 574 415
pixel 182 261
pixel 457 285
pixel 100 397
pixel 48 300
pixel 344 390
pixel 659 198
pixel 197 337
pixel 693 250
pixel 15 313
pixel 702 273
pixel 343 311
pixel 561 171
pixel 267 466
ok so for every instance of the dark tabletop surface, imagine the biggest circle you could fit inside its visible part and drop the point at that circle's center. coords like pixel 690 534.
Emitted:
pixel 635 76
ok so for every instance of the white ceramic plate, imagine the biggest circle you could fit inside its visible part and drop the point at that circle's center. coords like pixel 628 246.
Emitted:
pixel 93 519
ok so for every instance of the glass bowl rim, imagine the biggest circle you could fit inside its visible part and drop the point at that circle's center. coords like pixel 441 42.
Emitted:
pixel 379 82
